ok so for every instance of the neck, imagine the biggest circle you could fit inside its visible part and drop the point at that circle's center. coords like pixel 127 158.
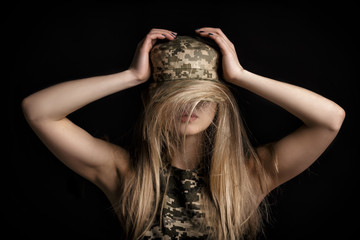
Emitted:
pixel 191 157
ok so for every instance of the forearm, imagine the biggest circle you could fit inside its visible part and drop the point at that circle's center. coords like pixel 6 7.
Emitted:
pixel 311 108
pixel 56 102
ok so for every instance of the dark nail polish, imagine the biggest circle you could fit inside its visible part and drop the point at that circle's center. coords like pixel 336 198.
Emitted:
pixel 201 31
pixel 174 33
pixel 211 34
pixel 163 35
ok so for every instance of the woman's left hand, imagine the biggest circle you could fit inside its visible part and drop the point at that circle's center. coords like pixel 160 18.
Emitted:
pixel 232 68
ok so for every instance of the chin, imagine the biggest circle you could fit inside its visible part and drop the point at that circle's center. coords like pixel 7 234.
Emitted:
pixel 190 130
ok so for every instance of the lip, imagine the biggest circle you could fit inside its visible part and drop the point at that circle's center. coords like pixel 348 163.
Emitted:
pixel 185 117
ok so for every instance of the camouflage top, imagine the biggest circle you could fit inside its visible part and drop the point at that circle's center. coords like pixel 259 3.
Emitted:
pixel 184 58
pixel 181 214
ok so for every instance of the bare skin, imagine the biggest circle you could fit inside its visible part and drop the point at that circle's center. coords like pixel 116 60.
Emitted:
pixel 104 163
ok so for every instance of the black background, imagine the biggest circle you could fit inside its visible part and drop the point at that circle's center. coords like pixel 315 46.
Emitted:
pixel 307 44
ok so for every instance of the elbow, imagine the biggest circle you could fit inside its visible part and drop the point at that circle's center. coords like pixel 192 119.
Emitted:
pixel 337 119
pixel 26 106
pixel 29 110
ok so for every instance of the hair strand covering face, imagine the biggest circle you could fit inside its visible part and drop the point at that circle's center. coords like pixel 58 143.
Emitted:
pixel 185 75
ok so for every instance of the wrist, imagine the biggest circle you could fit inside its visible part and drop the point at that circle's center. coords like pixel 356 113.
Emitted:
pixel 134 78
pixel 236 76
pixel 137 77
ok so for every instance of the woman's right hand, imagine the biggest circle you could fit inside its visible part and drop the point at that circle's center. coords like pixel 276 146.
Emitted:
pixel 140 65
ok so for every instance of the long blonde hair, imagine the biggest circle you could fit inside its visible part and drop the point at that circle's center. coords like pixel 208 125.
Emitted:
pixel 234 176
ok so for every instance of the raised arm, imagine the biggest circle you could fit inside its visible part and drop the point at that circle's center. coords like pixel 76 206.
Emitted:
pixel 322 117
pixel 96 160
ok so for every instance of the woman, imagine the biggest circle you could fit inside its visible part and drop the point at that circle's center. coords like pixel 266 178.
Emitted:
pixel 192 172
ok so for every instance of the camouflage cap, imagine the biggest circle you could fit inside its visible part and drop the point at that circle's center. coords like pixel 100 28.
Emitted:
pixel 184 58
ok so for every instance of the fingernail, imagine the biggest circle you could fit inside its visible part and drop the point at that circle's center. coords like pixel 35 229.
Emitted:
pixel 174 33
pixel 201 31
pixel 211 34
pixel 197 29
pixel 163 35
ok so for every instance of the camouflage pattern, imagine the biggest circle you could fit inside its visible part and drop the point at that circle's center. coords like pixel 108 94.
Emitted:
pixel 184 58
pixel 181 216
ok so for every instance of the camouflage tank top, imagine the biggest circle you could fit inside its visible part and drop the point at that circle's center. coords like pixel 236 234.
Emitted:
pixel 181 214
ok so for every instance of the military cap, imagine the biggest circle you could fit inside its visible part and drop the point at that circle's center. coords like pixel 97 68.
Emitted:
pixel 184 58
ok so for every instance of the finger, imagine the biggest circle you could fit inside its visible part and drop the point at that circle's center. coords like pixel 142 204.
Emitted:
pixel 155 34
pixel 166 33
pixel 150 40
pixel 221 42
pixel 216 37
pixel 217 31
pixel 214 30
pixel 157 30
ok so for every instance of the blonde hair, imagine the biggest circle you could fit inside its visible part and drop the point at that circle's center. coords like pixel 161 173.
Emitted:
pixel 234 176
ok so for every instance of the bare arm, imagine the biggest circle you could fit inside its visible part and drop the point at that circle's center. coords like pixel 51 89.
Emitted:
pixel 96 160
pixel 46 113
pixel 322 120
pixel 322 117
